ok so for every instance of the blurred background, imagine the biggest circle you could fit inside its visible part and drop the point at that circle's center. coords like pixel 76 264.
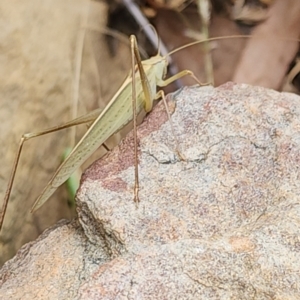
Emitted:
pixel 63 58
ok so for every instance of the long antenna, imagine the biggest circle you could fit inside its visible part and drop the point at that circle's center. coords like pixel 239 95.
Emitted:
pixel 225 38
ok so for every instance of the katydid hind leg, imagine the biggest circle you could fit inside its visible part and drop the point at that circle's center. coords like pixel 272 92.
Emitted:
pixel 136 59
pixel 10 182
pixel 144 80
pixel 81 120
pixel 136 160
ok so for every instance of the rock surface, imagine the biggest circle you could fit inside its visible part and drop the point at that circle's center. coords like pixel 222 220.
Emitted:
pixel 221 224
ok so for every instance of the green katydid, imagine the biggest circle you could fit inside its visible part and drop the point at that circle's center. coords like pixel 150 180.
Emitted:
pixel 137 92
pixel 117 114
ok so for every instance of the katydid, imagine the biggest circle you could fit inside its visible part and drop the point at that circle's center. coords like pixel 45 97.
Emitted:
pixel 143 79
pixel 137 92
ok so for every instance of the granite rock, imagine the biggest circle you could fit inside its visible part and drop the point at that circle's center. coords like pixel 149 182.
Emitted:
pixel 218 216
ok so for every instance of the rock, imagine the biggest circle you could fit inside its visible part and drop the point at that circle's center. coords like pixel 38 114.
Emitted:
pixel 221 224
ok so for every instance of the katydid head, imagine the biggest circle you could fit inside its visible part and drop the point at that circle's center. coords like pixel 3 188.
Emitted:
pixel 157 66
